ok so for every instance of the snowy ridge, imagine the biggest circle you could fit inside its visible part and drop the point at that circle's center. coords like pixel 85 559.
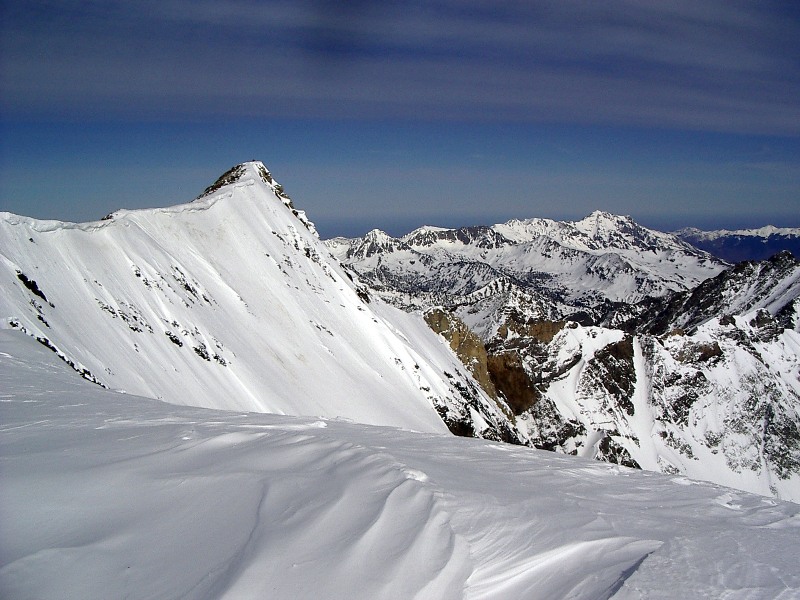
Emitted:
pixel 230 301
pixel 772 285
pixel 580 265
pixel 599 231
pixel 109 495
pixel 744 244
pixel 762 232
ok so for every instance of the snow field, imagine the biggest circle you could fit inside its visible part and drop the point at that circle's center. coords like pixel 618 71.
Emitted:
pixel 112 495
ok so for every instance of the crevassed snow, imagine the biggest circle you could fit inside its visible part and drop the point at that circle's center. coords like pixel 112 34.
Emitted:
pixel 106 495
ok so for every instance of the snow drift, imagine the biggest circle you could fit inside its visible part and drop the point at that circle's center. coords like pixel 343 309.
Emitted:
pixel 108 495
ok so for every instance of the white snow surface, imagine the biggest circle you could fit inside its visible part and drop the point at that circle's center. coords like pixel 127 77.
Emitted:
pixel 109 495
pixel 228 302
pixel 721 437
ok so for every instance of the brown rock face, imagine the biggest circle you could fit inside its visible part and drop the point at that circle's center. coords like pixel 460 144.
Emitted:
pixel 500 371
pixel 541 331
pixel 468 347
pixel 511 379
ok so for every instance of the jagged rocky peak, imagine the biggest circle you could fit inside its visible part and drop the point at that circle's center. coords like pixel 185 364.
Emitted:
pixel 772 284
pixel 374 242
pixel 480 236
pixel 256 170
pixel 230 176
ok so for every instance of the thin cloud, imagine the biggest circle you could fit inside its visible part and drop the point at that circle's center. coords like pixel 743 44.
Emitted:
pixel 723 66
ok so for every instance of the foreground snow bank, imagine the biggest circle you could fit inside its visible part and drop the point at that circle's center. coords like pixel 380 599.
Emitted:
pixel 107 495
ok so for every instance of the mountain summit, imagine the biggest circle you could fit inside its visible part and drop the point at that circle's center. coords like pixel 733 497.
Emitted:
pixel 229 301
pixel 582 266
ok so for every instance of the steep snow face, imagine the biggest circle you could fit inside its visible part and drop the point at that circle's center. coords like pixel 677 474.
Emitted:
pixel 720 405
pixel 230 301
pixel 580 266
pixel 107 495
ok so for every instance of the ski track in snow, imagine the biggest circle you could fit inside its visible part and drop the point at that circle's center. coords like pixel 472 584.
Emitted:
pixel 109 495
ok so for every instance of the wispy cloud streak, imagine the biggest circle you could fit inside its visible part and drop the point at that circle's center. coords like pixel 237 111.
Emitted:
pixel 716 65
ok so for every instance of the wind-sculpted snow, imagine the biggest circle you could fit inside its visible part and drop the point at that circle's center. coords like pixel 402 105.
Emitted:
pixel 230 301
pixel 107 495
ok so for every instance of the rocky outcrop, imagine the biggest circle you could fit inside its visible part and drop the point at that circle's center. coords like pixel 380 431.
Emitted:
pixel 468 346
pixel 773 285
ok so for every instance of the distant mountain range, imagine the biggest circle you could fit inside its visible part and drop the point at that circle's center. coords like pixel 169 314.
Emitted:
pixel 744 244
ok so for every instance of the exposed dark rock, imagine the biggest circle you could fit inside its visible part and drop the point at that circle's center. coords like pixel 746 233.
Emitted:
pixel 508 374
pixel 609 450
pixel 468 347
pixel 613 368
pixel 457 424
pixel 174 338
pixel 698 352
pixel 32 286
pixel 232 175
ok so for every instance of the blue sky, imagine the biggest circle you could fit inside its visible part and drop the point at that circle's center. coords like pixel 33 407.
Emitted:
pixel 399 114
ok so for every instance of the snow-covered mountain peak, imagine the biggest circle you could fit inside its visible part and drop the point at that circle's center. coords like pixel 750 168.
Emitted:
pixel 229 301
pixel 374 242
pixel 378 236
pixel 253 173
pixel 481 236
pixel 603 226
pixel 425 230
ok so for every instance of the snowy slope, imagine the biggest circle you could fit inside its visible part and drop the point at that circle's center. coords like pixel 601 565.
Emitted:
pixel 230 301
pixel 772 285
pixel 107 495
pixel 720 405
